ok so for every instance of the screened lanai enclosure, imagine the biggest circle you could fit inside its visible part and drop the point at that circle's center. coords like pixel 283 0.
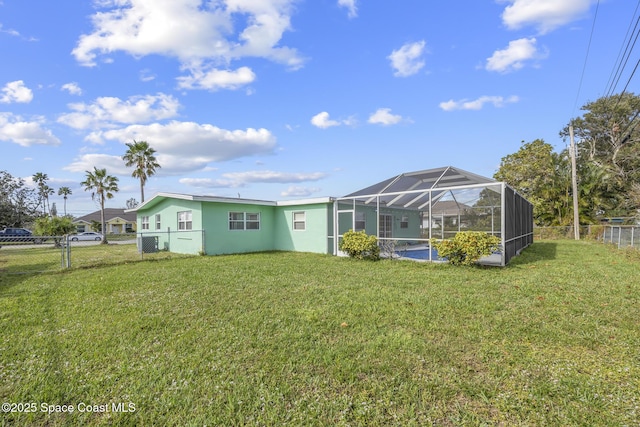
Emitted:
pixel 408 210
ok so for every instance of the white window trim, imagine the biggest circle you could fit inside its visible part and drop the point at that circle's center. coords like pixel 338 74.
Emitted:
pixel 144 223
pixel 303 221
pixel 244 221
pixel 158 219
pixel 188 221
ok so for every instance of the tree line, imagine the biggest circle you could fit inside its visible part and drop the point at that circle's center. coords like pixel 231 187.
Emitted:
pixel 608 166
pixel 21 205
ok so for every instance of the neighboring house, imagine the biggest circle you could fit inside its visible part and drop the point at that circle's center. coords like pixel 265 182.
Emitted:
pixel 117 221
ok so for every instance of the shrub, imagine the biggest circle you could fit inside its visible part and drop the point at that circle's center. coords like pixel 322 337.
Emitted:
pixel 467 247
pixel 359 245
pixel 54 226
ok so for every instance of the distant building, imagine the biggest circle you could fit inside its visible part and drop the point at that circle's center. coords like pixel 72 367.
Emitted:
pixel 117 221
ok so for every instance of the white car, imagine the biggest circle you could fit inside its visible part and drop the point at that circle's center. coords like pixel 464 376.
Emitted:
pixel 89 235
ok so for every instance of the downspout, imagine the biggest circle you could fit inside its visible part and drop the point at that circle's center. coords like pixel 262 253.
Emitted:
pixel 502 225
pixel 335 227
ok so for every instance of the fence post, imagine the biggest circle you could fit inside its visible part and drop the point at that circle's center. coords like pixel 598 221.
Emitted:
pixel 68 246
pixel 619 236
pixel 63 249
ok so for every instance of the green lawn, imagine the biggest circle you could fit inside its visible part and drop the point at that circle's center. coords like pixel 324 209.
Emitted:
pixel 300 339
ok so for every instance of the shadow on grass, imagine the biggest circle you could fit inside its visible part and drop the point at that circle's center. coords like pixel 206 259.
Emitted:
pixel 538 251
pixel 14 275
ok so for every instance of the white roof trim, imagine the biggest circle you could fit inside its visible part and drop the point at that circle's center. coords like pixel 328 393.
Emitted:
pixel 195 198
pixel 314 201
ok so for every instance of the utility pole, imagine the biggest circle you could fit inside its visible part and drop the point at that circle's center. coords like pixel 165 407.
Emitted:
pixel 574 186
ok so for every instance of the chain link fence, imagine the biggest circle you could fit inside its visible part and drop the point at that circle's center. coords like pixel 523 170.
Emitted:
pixel 620 235
pixel 55 253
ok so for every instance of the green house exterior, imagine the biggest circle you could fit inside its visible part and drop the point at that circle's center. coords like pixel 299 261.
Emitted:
pixel 402 211
pixel 217 225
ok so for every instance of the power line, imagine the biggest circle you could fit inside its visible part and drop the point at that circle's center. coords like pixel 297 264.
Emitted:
pixel 586 58
pixel 614 78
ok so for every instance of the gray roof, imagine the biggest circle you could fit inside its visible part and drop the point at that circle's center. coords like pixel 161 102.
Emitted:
pixel 411 189
pixel 109 214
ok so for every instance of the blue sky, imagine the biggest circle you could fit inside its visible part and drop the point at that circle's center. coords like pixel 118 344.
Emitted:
pixel 281 99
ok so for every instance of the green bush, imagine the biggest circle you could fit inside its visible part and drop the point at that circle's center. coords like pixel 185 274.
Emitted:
pixel 359 245
pixel 54 226
pixel 467 247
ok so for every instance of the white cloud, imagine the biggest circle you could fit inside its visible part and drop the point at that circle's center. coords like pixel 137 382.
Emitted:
pixel 108 111
pixel 25 133
pixel 383 116
pixel 323 121
pixel 351 6
pixel 188 146
pixel 72 88
pixel 16 92
pixel 407 60
pixel 240 179
pixel 545 15
pixel 147 75
pixel 514 56
pixel 9 31
pixel 295 191
pixel 477 104
pixel 197 33
pixel 86 162
pixel 217 79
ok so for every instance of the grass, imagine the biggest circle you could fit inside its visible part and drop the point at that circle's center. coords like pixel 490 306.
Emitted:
pixel 47 258
pixel 303 339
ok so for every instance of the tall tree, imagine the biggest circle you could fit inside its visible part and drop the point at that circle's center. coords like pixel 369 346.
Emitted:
pixel 132 203
pixel 40 179
pixel 541 176
pixel 141 156
pixel 102 186
pixel 46 192
pixel 18 203
pixel 64 192
pixel 608 141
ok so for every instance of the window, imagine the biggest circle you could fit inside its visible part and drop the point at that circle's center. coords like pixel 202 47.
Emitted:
pixel 360 221
pixel 253 221
pixel 128 228
pixel 404 222
pixel 145 223
pixel 244 221
pixel 158 224
pixel 184 220
pixel 299 221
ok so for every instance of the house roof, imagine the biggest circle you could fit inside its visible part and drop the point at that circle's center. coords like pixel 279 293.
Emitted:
pixel 160 196
pixel 109 214
pixel 412 189
pixel 448 207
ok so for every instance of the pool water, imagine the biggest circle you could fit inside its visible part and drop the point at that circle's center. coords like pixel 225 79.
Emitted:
pixel 422 254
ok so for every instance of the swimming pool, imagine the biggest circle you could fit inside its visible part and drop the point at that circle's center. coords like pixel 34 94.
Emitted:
pixel 419 254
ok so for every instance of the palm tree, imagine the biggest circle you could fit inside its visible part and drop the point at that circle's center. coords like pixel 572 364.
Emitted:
pixel 64 191
pixel 141 156
pixel 40 179
pixel 46 192
pixel 103 186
